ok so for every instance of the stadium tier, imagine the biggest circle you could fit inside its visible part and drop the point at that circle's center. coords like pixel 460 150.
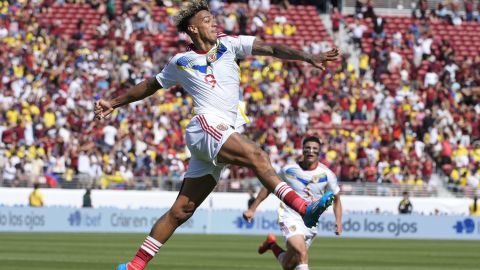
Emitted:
pixel 401 107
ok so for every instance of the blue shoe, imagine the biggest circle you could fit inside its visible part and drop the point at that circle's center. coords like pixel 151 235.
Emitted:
pixel 122 266
pixel 315 209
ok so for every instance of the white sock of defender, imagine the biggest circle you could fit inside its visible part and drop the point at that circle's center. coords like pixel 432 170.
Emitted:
pixel 302 267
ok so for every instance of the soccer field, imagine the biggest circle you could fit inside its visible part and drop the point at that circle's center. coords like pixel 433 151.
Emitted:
pixel 42 251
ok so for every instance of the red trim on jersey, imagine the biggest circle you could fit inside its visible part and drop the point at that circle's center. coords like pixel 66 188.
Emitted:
pixel 192 47
pixel 210 130
pixel 312 169
pixel 221 34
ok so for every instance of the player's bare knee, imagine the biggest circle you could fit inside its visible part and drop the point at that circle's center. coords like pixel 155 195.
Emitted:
pixel 259 158
pixel 177 216
pixel 182 213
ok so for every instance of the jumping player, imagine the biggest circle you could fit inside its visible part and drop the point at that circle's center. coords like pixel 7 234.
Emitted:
pixel 209 73
pixel 310 179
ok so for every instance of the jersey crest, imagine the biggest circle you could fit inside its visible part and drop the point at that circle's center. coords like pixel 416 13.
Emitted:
pixel 187 62
pixel 319 178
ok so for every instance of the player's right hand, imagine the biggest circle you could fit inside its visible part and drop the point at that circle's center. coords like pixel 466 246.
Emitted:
pixel 102 109
pixel 248 215
pixel 321 60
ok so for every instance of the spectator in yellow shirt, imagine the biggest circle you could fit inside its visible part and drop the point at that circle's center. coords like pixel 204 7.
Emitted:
pixel 289 30
pixel 12 116
pixel 474 207
pixel 363 64
pixel 49 118
pixel 36 198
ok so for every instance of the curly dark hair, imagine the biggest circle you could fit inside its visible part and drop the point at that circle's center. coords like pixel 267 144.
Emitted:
pixel 187 12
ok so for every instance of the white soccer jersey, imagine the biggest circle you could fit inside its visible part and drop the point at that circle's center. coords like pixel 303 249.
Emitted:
pixel 214 84
pixel 317 181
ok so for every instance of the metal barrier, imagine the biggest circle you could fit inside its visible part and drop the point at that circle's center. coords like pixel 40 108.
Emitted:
pixel 463 191
pixel 82 181
pixel 375 189
pixel 225 185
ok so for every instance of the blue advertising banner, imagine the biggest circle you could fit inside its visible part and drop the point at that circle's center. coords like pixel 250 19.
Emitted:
pixel 26 219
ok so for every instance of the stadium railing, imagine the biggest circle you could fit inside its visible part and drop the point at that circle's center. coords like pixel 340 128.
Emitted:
pixel 386 189
pixel 224 185
pixel 463 191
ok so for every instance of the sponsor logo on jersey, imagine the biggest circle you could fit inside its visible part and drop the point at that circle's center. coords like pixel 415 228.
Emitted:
pixel 222 127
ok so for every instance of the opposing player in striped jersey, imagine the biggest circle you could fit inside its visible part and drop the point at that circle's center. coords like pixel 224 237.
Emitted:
pixel 209 73
pixel 311 180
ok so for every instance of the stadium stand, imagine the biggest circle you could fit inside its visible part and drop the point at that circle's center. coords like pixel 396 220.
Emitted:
pixel 409 111
pixel 431 51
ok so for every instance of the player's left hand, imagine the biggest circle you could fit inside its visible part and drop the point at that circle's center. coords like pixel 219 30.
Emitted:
pixel 338 228
pixel 320 60
pixel 248 215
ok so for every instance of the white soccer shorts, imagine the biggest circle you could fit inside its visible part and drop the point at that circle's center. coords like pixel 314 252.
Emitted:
pixel 291 226
pixel 205 136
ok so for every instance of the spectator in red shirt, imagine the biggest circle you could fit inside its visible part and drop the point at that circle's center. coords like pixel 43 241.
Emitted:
pixel 427 169
pixel 336 18
pixel 446 154
pixel 371 173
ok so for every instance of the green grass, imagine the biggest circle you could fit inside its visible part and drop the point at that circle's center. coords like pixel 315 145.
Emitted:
pixel 42 251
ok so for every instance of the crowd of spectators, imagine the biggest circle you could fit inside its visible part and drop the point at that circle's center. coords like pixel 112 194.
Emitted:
pixel 49 82
pixel 452 12
pixel 372 133
pixel 434 103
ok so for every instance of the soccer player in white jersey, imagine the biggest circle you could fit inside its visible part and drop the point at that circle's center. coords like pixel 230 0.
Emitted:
pixel 209 73
pixel 310 179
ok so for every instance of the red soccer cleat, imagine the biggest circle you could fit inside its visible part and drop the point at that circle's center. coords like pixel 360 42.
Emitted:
pixel 266 245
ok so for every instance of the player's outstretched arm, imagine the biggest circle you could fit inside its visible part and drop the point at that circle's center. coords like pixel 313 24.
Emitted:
pixel 284 52
pixel 337 210
pixel 140 91
pixel 262 195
